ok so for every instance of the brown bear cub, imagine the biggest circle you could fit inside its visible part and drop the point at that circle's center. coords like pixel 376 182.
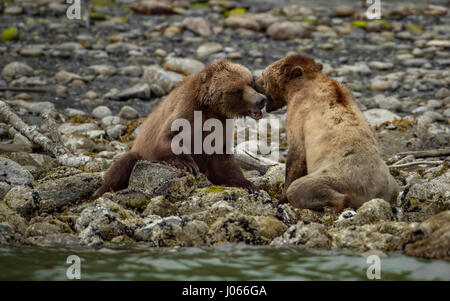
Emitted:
pixel 222 90
pixel 333 157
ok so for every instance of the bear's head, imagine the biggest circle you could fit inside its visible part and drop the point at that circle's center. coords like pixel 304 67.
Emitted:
pixel 290 72
pixel 226 88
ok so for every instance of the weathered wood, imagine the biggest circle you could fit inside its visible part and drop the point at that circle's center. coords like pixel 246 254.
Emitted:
pixel 417 163
pixel 31 90
pixel 250 161
pixel 427 153
pixel 58 150
pixel 10 148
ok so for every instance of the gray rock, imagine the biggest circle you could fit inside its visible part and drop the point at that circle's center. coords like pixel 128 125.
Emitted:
pixel 23 200
pixel 373 211
pixel 244 21
pixel 416 62
pixel 13 173
pixel 74 112
pixel 209 48
pixel 383 85
pixel 32 50
pixel 434 104
pixel 13 10
pixel 185 66
pixel 427 197
pixel 433 238
pixel 162 179
pixel 110 121
pixel 377 117
pixel 163 79
pixel 343 11
pixel 115 131
pixel 4 188
pixel 381 65
pixel 54 240
pixel 129 113
pixel 103 70
pixel 16 69
pixel 198 25
pixel 442 93
pixel 33 107
pixel 388 103
pixel 287 31
pixel 103 220
pixel 68 190
pixel 141 91
pixel 386 236
pixel 101 111
pixel 311 235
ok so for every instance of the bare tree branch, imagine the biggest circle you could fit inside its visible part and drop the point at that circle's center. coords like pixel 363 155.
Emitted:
pixel 428 153
pixel 417 163
pixel 58 150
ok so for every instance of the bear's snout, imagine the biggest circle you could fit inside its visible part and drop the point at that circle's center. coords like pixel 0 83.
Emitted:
pixel 261 101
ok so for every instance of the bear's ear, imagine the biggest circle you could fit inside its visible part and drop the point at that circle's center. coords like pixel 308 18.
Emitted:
pixel 319 67
pixel 297 71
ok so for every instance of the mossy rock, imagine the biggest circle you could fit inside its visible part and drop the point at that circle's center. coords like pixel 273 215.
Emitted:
pixel 386 24
pixel 10 34
pixel 415 28
pixel 360 24
pixel 235 11
pixel 200 4
pixel 97 16
pixel 101 3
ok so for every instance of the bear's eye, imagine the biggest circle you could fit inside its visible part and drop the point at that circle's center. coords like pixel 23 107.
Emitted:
pixel 237 93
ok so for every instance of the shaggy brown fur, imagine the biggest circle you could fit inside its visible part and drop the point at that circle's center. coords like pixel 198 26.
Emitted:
pixel 333 157
pixel 223 91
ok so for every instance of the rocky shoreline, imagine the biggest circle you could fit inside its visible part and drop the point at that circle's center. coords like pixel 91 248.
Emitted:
pixel 102 80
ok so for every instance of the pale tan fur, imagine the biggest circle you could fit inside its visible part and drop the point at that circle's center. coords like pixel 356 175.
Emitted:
pixel 333 155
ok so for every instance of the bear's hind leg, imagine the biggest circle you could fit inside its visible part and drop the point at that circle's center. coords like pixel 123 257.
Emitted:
pixel 315 193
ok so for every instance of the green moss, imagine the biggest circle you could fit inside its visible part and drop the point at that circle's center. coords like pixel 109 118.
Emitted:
pixel 215 189
pixel 360 24
pixel 309 20
pixel 386 24
pixel 415 28
pixel 414 202
pixel 100 3
pixel 200 4
pixel 97 16
pixel 10 34
pixel 124 20
pixel 127 10
pixel 235 11
pixel 388 247
pixel 139 205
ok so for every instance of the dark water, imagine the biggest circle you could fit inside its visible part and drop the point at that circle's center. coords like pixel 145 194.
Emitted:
pixel 221 263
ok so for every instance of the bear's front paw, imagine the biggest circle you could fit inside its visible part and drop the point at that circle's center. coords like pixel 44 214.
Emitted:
pixel 250 187
pixel 283 200
pixel 186 165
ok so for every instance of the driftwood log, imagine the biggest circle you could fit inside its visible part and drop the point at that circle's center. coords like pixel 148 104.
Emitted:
pixel 61 153
pixel 428 153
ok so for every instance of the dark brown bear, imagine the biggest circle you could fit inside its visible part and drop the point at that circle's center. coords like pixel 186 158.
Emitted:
pixel 222 91
pixel 333 157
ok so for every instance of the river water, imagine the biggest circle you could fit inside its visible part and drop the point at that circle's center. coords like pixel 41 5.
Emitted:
pixel 231 262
